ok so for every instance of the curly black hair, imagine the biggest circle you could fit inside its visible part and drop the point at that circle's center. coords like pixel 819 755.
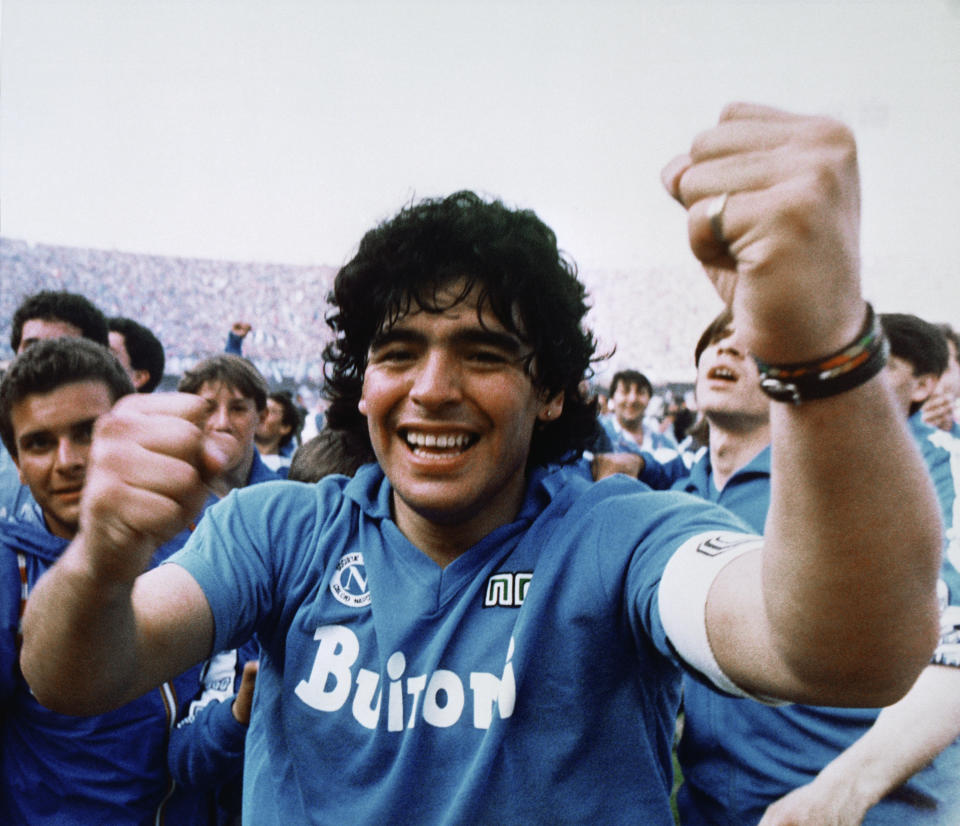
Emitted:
pixel 511 258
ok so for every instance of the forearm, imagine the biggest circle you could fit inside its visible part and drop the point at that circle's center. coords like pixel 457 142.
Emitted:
pixel 92 644
pixel 90 626
pixel 906 737
pixel 851 545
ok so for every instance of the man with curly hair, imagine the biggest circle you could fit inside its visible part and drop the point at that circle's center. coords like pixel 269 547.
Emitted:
pixel 468 630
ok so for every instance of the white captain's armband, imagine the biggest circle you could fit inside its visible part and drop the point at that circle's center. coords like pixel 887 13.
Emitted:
pixel 683 591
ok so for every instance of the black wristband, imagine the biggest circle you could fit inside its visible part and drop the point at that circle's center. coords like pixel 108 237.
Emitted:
pixel 839 372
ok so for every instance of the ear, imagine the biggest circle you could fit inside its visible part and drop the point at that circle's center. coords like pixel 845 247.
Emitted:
pixel 262 416
pixel 362 406
pixel 923 386
pixel 139 378
pixel 552 408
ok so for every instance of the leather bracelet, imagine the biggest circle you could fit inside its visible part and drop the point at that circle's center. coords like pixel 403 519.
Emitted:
pixel 837 373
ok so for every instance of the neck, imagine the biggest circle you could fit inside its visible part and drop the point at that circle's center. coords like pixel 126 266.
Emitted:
pixel 732 449
pixel 635 429
pixel 444 536
pixel 267 446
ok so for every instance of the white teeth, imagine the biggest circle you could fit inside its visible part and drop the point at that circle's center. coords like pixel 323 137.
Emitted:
pixel 437 440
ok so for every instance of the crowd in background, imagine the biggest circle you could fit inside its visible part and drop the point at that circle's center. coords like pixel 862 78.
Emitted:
pixel 648 432
pixel 189 303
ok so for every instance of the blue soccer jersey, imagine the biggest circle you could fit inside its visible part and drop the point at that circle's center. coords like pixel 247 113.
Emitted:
pixel 530 680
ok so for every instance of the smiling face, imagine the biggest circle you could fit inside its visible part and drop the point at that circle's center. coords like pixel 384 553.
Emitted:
pixel 450 409
pixel 728 384
pixel 630 402
pixel 52 433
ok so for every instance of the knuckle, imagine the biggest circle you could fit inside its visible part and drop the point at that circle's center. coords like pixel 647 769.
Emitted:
pixel 701 143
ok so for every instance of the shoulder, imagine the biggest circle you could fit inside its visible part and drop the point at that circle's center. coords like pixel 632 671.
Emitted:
pixel 622 511
pixel 280 500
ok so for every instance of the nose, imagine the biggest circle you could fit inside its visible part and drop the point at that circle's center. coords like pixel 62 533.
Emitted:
pixel 732 346
pixel 218 420
pixel 436 380
pixel 71 456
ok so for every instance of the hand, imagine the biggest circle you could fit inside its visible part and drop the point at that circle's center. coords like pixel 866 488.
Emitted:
pixel 150 461
pixel 244 699
pixel 240 328
pixel 606 464
pixel 938 411
pixel 813 805
pixel 790 264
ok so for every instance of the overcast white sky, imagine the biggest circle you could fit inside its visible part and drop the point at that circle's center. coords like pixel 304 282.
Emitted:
pixel 281 130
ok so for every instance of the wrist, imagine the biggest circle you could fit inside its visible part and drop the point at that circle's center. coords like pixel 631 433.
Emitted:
pixel 849 367
pixel 856 786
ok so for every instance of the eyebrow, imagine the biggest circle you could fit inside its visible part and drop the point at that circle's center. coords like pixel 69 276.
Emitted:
pixel 475 335
pixel 28 435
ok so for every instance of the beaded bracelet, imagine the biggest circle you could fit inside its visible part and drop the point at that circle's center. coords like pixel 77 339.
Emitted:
pixel 850 367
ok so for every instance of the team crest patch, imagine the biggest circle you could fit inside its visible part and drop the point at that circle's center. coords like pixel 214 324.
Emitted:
pixel 506 589
pixel 349 583
pixel 722 542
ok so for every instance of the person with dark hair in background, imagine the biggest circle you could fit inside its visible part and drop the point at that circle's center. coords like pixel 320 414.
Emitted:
pixel 139 351
pixel 52 314
pixel 57 769
pixel 626 427
pixel 940 410
pixel 468 630
pixel 797 764
pixel 43 315
pixel 277 434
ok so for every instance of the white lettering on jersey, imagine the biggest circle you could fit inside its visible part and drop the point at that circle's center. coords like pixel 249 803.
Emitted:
pixel 438 699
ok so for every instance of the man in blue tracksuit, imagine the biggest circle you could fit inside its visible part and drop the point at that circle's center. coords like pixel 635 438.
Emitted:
pixel 58 769
pixel 740 758
pixel 465 632
pixel 43 315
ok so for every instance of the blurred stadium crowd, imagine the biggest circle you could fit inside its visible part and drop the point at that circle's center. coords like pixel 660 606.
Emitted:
pixel 651 322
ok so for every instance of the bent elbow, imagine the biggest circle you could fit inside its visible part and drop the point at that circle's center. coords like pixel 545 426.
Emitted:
pixel 60 692
pixel 895 672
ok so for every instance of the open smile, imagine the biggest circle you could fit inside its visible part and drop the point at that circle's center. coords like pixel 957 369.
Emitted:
pixel 722 373
pixel 438 444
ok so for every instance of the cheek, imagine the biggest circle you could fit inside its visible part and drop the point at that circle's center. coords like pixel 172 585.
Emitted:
pixel 378 394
